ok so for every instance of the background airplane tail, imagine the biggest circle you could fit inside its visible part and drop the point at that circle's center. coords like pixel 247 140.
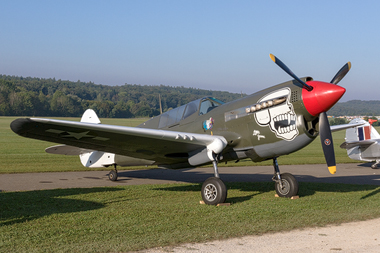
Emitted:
pixel 362 132
pixel 95 159
pixel 359 138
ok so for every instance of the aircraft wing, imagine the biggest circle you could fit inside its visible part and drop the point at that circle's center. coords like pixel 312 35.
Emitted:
pixel 161 146
pixel 344 126
pixel 362 144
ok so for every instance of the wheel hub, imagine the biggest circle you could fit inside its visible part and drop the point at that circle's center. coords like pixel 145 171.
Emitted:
pixel 210 192
pixel 285 188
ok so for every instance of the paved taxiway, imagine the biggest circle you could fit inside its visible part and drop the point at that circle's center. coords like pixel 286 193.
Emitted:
pixel 350 237
pixel 354 173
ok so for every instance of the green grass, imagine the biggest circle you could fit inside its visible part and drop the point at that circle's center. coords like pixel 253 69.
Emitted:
pixel 121 219
pixel 19 154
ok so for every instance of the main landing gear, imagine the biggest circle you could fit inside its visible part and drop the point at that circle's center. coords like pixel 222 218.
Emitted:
pixel 285 184
pixel 113 174
pixel 214 191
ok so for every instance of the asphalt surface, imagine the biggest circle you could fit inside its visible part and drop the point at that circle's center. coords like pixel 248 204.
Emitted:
pixel 346 173
pixel 350 237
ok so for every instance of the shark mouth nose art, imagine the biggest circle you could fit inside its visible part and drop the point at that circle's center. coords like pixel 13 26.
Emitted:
pixel 285 123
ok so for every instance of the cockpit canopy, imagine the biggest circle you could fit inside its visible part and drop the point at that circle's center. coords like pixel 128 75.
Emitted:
pixel 202 106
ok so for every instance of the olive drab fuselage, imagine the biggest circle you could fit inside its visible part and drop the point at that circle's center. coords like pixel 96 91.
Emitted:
pixel 267 124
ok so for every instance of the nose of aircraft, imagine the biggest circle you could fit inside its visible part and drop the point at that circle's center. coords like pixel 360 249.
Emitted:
pixel 322 97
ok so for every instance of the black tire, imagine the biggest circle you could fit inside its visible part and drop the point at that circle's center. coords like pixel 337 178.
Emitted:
pixel 112 175
pixel 290 186
pixel 214 191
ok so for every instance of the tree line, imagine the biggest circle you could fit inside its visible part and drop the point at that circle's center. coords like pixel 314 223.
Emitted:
pixel 356 108
pixel 32 96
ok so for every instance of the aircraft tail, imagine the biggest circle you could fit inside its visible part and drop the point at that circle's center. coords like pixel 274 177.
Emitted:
pixel 362 132
pixel 95 159
pixel 89 116
pixel 359 140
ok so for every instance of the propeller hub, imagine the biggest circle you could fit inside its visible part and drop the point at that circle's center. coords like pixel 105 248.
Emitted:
pixel 322 97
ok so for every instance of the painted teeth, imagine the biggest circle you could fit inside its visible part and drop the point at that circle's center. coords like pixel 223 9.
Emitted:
pixel 290 123
pixel 289 117
pixel 287 129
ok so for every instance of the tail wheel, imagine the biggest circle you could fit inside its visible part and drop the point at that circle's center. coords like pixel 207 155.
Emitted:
pixel 289 186
pixel 214 191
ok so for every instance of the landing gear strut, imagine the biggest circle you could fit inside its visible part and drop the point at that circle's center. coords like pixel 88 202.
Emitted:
pixel 285 184
pixel 113 174
pixel 214 191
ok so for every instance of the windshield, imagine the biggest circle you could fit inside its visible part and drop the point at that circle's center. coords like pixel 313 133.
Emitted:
pixel 209 104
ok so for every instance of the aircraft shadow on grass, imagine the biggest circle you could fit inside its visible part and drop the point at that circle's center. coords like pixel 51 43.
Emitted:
pixel 260 183
pixel 18 207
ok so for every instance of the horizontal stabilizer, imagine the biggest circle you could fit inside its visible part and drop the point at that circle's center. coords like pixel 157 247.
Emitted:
pixel 352 144
pixel 66 150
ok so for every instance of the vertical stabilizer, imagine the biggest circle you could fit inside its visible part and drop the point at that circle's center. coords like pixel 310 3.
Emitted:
pixel 89 116
pixel 359 133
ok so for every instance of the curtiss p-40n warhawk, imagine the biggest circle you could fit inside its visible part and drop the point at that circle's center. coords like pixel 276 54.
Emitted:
pixel 265 125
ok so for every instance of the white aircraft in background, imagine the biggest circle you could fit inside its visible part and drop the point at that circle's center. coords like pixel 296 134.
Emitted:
pixel 362 142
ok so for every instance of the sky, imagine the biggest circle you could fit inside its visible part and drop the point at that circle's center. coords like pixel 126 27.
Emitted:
pixel 213 45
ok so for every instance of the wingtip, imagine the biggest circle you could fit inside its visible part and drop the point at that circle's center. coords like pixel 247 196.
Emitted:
pixel 332 169
pixel 18 125
pixel 272 57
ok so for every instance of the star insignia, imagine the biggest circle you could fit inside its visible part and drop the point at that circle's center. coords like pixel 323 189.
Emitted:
pixel 78 136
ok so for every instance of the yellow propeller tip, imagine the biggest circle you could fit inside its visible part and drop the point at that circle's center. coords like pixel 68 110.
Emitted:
pixel 349 65
pixel 272 57
pixel 332 169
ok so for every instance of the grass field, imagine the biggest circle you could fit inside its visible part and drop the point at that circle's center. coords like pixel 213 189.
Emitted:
pixel 121 219
pixel 19 154
pixel 128 218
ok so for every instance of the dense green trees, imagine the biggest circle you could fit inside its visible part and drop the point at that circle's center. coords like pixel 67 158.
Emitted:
pixel 21 96
pixel 356 108
pixel 29 96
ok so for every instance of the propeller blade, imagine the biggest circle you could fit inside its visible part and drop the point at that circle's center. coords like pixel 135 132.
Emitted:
pixel 327 142
pixel 287 70
pixel 341 73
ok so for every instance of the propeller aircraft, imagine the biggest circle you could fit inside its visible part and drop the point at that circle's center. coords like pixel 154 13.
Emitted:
pixel 265 125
